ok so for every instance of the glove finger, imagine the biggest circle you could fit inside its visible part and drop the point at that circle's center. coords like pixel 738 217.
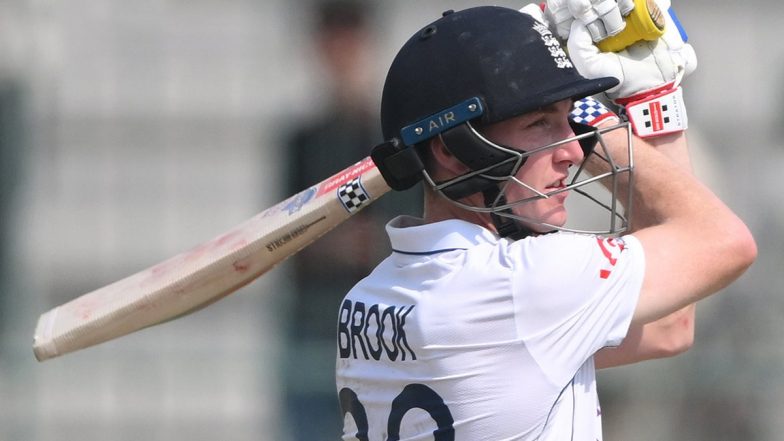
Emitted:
pixel 589 61
pixel 597 30
pixel 564 27
pixel 601 17
pixel 613 22
pixel 625 7
pixel 689 59
pixel 610 15
pixel 582 10
pixel 536 12
pixel 557 13
pixel 580 43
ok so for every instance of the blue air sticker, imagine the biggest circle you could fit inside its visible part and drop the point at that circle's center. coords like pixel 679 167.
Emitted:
pixel 441 121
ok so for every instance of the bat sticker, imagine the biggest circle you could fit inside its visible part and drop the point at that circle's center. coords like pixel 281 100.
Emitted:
pixel 291 235
pixel 343 177
pixel 296 203
pixel 352 195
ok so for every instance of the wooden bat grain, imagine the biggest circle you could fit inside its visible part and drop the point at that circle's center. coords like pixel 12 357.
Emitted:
pixel 210 271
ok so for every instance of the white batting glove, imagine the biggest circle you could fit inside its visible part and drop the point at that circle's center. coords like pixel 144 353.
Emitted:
pixel 602 18
pixel 536 11
pixel 649 72
pixel 642 66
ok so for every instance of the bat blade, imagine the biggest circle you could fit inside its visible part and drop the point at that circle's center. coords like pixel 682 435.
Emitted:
pixel 210 271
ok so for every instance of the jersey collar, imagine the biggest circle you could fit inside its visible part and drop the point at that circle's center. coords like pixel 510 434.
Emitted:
pixel 411 235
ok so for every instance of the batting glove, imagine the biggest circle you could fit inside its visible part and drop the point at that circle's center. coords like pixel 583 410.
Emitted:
pixel 649 72
pixel 602 18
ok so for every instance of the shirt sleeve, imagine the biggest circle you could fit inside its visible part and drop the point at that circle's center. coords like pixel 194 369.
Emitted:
pixel 575 294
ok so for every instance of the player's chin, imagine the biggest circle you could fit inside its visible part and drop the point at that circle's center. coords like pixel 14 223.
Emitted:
pixel 545 221
pixel 554 217
pixel 542 215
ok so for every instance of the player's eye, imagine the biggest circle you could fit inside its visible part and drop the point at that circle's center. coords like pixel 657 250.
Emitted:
pixel 540 123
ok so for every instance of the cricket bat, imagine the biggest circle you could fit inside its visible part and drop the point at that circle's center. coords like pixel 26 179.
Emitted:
pixel 210 271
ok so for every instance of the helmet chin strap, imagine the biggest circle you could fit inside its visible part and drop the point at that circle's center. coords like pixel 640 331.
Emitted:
pixel 505 226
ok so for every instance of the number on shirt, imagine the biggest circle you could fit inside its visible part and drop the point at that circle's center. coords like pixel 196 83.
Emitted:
pixel 412 396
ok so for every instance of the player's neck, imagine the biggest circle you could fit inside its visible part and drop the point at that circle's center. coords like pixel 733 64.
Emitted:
pixel 438 208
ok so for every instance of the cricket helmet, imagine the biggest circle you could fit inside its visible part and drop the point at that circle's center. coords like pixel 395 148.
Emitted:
pixel 473 67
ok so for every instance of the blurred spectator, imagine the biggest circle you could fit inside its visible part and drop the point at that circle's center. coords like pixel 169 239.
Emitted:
pixel 342 133
pixel 11 132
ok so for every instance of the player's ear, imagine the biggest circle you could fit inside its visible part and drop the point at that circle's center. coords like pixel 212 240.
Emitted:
pixel 444 164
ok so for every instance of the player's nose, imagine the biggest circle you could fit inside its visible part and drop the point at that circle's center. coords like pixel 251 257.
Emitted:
pixel 570 151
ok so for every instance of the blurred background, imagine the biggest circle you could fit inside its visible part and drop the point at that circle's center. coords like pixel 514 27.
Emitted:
pixel 132 131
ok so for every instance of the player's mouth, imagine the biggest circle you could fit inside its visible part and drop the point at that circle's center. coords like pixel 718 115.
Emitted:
pixel 556 191
pixel 556 186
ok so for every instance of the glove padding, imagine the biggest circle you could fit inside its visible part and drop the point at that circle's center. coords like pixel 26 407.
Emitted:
pixel 602 18
pixel 642 67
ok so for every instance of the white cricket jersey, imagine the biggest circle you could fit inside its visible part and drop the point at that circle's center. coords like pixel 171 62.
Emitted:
pixel 460 335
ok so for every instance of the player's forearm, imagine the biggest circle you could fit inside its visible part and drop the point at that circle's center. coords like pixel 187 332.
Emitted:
pixel 674 333
pixel 663 193
pixel 666 337
pixel 672 208
pixel 675 148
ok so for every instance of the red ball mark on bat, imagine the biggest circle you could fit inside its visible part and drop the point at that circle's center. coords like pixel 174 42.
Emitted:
pixel 241 266
pixel 229 242
pixel 85 313
pixel 611 248
pixel 226 238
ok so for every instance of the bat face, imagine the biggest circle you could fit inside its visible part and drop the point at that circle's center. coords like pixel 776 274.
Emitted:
pixel 210 271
